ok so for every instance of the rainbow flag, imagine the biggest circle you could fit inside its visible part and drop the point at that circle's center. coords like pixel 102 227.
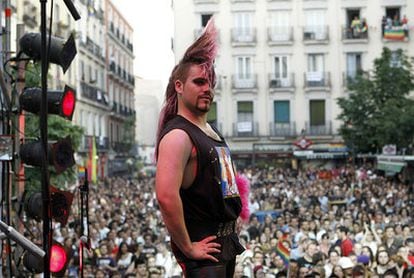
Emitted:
pixel 283 252
pixel 394 34
pixel 92 164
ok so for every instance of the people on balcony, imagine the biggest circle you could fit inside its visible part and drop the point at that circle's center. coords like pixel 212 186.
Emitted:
pixel 396 28
pixel 358 28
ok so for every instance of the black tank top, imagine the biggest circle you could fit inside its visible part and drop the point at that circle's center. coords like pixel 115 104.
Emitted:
pixel 213 197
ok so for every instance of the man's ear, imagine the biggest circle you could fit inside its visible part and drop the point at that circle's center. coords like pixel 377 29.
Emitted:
pixel 179 86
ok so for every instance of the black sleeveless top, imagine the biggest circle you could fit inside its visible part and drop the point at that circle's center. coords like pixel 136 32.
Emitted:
pixel 213 198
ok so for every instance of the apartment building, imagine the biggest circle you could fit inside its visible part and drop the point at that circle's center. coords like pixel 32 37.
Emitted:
pixel 121 85
pixel 92 106
pixel 283 63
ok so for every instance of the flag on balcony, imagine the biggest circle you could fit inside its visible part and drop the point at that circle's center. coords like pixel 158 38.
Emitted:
pixel 92 160
pixel 395 34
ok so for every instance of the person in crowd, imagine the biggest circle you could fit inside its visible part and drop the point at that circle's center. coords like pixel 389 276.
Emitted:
pixel 307 259
pixel 123 257
pixel 195 180
pixel 345 242
pixel 105 261
pixel 382 262
pixel 138 268
pixel 390 240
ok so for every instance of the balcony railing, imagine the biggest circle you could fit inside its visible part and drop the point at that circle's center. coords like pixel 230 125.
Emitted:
pixel 93 93
pixel 249 82
pixel 280 34
pixel 317 79
pixel 396 33
pixel 354 34
pixel 283 129
pixel 350 78
pixel 315 33
pixel 277 82
pixel 93 47
pixel 317 130
pixel 245 129
pixel 243 35
pixel 101 142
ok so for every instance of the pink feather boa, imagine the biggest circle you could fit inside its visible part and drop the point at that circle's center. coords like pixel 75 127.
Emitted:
pixel 243 185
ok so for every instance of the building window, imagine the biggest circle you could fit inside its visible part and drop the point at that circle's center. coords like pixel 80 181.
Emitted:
pixel 315 25
pixel 212 114
pixel 317 112
pixel 315 76
pixel 205 18
pixel 282 112
pixel 244 73
pixel 244 116
pixel 280 26
pixel 280 75
pixel 395 60
pixel 353 64
pixel 243 23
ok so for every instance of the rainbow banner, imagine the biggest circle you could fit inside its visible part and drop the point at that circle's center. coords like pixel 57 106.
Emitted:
pixel 92 163
pixel 395 34
pixel 283 252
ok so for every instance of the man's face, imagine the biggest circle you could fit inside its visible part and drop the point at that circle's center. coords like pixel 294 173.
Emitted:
pixel 142 269
pixel 195 91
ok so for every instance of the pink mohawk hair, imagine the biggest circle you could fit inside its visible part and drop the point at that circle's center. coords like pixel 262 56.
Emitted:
pixel 202 52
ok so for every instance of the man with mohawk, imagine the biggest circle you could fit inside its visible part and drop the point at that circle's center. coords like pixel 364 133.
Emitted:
pixel 195 180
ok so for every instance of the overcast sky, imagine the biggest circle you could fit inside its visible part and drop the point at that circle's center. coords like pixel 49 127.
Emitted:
pixel 153 28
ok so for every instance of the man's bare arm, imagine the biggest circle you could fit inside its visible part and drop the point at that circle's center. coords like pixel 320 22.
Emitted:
pixel 174 153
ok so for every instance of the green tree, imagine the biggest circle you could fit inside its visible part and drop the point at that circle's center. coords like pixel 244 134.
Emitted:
pixel 378 110
pixel 58 128
pixel 128 137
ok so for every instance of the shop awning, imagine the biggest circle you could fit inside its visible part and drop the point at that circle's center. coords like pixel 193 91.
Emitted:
pixel 388 166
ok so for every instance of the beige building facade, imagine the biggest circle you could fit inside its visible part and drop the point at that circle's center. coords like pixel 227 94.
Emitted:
pixel 283 63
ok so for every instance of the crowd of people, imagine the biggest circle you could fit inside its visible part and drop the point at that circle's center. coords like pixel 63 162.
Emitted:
pixel 311 223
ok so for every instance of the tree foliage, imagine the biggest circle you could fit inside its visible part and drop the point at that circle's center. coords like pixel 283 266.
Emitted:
pixel 378 110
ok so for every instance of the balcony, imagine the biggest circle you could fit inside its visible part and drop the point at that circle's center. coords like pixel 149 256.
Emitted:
pixel 319 130
pixel 112 67
pixel 93 93
pixel 245 129
pixel 121 147
pixel 94 48
pixel 130 46
pixel 354 35
pixel 280 35
pixel 249 82
pixel 283 129
pixel 396 33
pixel 243 36
pixel 316 34
pixel 349 78
pixel 317 80
pixel 277 83
pixel 101 143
